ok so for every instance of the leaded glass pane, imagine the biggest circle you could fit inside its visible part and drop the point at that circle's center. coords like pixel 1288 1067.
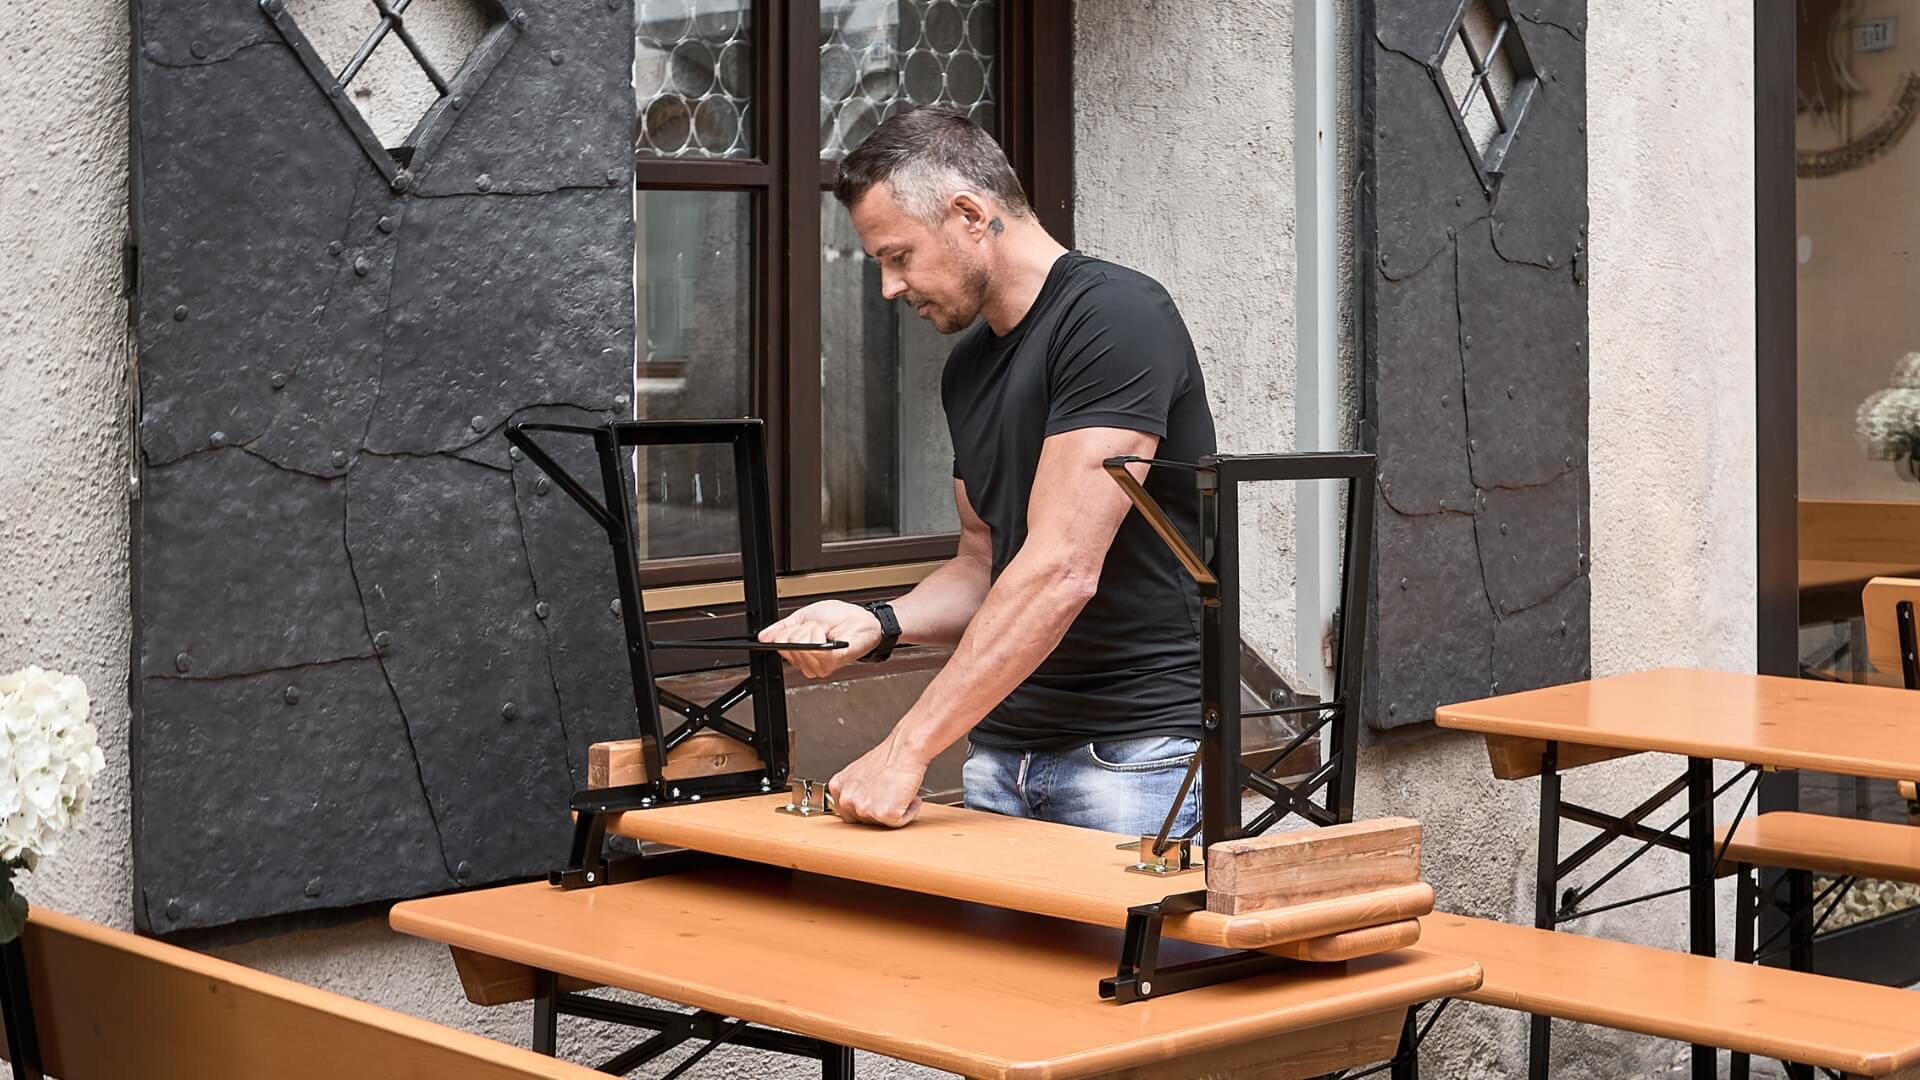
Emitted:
pixel 881 57
pixel 693 77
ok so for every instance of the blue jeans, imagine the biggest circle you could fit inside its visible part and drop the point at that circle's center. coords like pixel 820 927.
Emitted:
pixel 1123 786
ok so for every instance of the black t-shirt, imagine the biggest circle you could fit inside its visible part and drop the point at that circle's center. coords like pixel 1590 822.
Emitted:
pixel 1103 346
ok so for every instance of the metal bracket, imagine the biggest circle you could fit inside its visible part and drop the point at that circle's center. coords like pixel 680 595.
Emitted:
pixel 1141 977
pixel 803 802
pixel 1162 858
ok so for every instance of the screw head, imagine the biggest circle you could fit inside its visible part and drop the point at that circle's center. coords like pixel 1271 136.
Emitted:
pixel 382 639
pixel 1146 987
pixel 458 102
pixel 478 423
pixel 386 224
pixel 509 712
pixel 542 609
pixel 540 487
pixel 313 889
pixel 615 606
pixel 557 57
pixel 1509 393
pixel 183 663
pixel 519 19
pixel 613 176
pixel 335 247
pixel 198 49
pixel 1503 528
pixel 173 908
pixel 291 695
pixel 464 870
pixel 361 267
pixel 339 458
pixel 180 313
pixel 403 181
pixel 483 182
pixel 279 380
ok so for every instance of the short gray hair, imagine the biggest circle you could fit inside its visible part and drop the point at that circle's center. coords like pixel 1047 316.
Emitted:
pixel 927 155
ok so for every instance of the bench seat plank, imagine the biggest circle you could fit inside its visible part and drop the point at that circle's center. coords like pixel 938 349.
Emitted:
pixel 980 991
pixel 1016 863
pixel 1791 840
pixel 1857 1028
pixel 110 1005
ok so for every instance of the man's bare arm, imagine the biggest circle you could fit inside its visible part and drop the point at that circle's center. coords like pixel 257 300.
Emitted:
pixel 1072 515
pixel 934 612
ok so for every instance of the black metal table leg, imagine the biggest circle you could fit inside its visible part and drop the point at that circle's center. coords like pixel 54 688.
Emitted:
pixel 1700 884
pixel 16 1010
pixel 1746 910
pixel 546 1014
pixel 837 1064
pixel 1545 884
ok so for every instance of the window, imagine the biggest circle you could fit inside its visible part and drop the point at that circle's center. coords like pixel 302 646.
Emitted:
pixel 754 295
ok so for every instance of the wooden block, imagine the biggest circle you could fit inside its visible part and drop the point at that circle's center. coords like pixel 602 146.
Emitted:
pixel 704 753
pixel 1907 790
pixel 489 980
pixel 1518 759
pixel 1261 873
pixel 1353 944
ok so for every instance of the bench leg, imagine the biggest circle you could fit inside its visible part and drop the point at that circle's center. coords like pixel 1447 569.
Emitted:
pixel 1700 878
pixel 1745 911
pixel 1406 1059
pixel 837 1064
pixel 546 1013
pixel 1545 884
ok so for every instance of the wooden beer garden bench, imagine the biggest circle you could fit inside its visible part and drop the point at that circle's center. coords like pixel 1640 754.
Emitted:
pixel 109 1005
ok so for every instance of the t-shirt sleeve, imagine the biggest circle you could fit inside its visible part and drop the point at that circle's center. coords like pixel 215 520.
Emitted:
pixel 1121 357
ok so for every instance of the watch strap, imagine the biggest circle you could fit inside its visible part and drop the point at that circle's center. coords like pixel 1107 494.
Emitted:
pixel 889 630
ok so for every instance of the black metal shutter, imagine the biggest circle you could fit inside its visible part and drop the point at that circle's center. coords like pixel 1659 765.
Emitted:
pixel 1473 272
pixel 360 672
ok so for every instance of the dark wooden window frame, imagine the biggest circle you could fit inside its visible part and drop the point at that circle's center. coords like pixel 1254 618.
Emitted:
pixel 1034 86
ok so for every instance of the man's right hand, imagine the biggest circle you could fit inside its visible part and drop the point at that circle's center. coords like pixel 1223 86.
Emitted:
pixel 826 620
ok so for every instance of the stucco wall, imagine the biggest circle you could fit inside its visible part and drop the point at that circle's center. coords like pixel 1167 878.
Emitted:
pixel 1185 170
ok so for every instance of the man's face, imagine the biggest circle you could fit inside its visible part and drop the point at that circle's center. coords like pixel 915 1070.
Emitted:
pixel 939 270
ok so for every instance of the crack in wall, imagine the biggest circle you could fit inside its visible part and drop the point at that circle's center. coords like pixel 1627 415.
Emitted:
pixel 1537 20
pixel 210 61
pixel 546 630
pixel 406 726
pixel 228 676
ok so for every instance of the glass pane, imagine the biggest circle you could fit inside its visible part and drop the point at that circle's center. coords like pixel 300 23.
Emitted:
pixel 1858 166
pixel 886 461
pixel 695 299
pixel 693 77
pixel 880 57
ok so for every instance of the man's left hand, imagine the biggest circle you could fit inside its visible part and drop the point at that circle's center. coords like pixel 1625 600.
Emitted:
pixel 882 787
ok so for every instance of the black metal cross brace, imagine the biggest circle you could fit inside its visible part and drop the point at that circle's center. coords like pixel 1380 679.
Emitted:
pixel 613 510
pixel 671 1030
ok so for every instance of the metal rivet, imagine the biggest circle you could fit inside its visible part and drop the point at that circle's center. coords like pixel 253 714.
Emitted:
pixel 403 181
pixel 183 663
pixel 180 313
pixel 1469 339
pixel 173 908
pixel 382 639
pixel 1459 200
pixel 457 102
pixel 1452 232
pixel 519 18
pixel 1576 346
pixel 1496 684
pixel 557 57
pixel 1403 584
pixel 1473 446
pixel 542 609
pixel 1443 504
pixel 1563 627
pixel 613 176
pixel 336 247
pixel 334 90
pixel 1445 400
pixel 1393 710
pixel 508 712
pixel 464 870
pixel 279 380
pixel 198 49
pixel 1569 461
pixel 1509 393
pixel 513 452
pixel 273 6
pixel 386 224
pixel 1583 230
pixel 619 399
pixel 313 888
pixel 483 182
pixel 1582 126
pixel 478 423
pixel 339 459
pixel 1503 528
pixel 360 267
pixel 540 486
pixel 1551 261
pixel 291 695
pixel 218 438
pixel 1384 260
pixel 615 606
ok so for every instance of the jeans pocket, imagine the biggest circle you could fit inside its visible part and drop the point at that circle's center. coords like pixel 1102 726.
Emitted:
pixel 1149 754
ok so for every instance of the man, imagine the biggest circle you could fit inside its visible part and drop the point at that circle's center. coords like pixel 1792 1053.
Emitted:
pixel 1076 664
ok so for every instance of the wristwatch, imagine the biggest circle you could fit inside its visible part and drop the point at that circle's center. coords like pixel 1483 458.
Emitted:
pixel 889 631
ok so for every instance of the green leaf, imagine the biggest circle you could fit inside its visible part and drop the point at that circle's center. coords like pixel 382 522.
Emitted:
pixel 13 907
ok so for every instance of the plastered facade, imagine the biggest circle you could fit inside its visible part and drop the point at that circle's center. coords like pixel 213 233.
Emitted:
pixel 1184 171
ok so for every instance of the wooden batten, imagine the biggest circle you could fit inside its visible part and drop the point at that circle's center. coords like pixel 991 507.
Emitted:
pixel 1353 944
pixel 1262 873
pixel 704 753
pixel 1515 758
pixel 489 980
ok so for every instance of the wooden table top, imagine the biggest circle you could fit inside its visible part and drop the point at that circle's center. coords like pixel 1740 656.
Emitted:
pixel 1832 573
pixel 1040 867
pixel 977 990
pixel 1844 728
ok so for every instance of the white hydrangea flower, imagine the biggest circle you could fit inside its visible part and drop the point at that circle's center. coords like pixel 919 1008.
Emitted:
pixel 49 755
